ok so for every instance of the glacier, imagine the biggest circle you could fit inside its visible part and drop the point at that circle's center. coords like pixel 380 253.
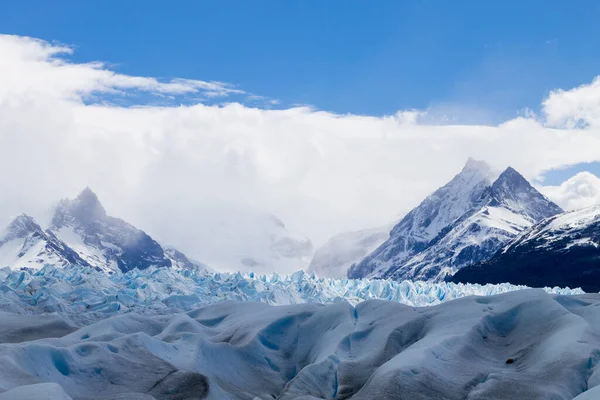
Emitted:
pixel 524 344
pixel 83 295
pixel 183 333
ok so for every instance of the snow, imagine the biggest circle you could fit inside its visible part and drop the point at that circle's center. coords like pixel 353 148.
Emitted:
pixel 505 219
pixel 576 219
pixel 93 255
pixel 569 225
pixel 21 252
pixel 526 344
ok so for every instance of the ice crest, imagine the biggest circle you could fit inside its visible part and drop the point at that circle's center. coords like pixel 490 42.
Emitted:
pixel 83 295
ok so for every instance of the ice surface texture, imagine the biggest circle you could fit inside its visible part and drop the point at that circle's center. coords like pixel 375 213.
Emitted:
pixel 526 344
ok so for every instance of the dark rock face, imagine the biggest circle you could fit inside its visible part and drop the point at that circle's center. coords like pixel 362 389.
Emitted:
pixel 560 251
pixel 114 238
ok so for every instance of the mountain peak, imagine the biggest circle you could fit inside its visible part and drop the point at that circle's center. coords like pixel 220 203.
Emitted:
pixel 516 193
pixel 476 165
pixel 87 193
pixel 84 209
pixel 20 227
pixel 511 176
pixel 87 207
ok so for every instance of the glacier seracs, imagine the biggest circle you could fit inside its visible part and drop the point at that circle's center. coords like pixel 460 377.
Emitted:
pixel 83 295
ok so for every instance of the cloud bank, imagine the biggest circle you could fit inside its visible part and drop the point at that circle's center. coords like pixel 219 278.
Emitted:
pixel 580 191
pixel 169 169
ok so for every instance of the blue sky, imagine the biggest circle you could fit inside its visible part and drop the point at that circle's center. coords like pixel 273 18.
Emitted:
pixel 480 62
pixel 489 58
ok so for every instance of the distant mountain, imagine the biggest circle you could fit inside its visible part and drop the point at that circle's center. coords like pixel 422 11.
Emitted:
pixel 422 224
pixel 82 233
pixel 464 222
pixel 105 242
pixel 333 259
pixel 563 250
pixel 25 244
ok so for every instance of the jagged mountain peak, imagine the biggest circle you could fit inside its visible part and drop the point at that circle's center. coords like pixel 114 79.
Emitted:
pixel 465 221
pixel 85 209
pixel 511 178
pixel 24 222
pixel 103 241
pixel 20 227
pixel 424 223
pixel 476 165
pixel 87 196
pixel 514 192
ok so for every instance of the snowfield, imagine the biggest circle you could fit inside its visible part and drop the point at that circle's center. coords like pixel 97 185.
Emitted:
pixel 526 344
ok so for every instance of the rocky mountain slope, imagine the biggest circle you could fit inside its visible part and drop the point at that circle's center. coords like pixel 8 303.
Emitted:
pixel 560 251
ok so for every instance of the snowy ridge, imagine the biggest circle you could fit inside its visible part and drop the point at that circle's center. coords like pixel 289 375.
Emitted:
pixel 83 295
pixel 25 244
pixel 561 250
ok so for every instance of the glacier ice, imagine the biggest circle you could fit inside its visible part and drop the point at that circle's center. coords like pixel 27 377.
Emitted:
pixel 83 295
pixel 525 344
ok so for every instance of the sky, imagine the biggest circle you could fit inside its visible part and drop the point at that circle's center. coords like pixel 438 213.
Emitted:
pixel 333 116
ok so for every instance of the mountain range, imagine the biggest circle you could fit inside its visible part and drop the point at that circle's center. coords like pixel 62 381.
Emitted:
pixel 481 227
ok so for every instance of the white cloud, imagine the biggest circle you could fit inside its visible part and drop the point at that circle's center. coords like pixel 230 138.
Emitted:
pixel 31 66
pixel 578 107
pixel 580 191
pixel 162 168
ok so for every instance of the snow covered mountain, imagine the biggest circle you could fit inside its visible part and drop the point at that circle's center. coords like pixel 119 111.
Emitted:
pixel 562 250
pixel 496 213
pixel 421 225
pixel 104 242
pixel 333 259
pixel 81 233
pixel 25 244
